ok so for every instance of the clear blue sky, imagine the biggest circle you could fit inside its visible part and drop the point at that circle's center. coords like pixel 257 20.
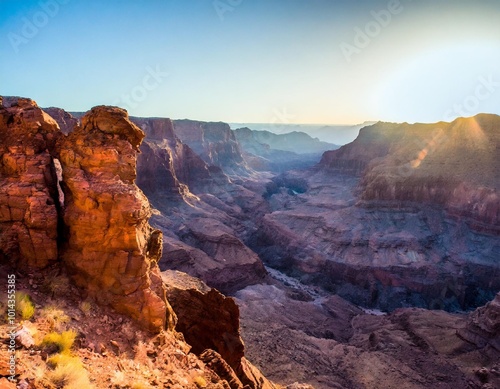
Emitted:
pixel 297 61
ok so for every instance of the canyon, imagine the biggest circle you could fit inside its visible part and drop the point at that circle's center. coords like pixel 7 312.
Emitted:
pixel 374 265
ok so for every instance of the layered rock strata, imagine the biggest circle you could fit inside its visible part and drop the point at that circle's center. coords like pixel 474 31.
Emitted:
pixel 110 247
pixel 28 198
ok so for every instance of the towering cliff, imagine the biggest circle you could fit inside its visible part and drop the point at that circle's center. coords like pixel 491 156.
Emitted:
pixel 214 142
pixel 28 195
pixel 168 168
pixel 449 164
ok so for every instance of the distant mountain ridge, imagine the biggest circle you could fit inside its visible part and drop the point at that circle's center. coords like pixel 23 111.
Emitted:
pixel 264 150
pixel 338 134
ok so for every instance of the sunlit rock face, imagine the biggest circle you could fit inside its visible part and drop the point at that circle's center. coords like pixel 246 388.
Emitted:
pixel 28 198
pixel 110 247
pixel 449 164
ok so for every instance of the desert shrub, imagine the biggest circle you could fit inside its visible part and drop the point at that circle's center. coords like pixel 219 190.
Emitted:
pixel 85 307
pixel 24 306
pixel 55 317
pixel 200 382
pixel 57 285
pixel 69 372
pixel 64 341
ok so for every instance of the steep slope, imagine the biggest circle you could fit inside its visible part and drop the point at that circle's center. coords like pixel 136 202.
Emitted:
pixel 397 218
pixel 96 230
pixel 214 142
pixel 449 164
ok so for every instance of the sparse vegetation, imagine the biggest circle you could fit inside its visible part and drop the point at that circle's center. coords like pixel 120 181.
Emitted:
pixel 69 373
pixel 200 382
pixel 85 307
pixel 24 306
pixel 57 285
pixel 55 317
pixel 64 341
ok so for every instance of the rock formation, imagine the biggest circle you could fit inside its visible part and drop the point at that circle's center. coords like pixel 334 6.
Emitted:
pixel 483 328
pixel 397 218
pixel 214 142
pixel 110 247
pixel 28 198
pixel 169 169
pixel 210 320
pixel 425 163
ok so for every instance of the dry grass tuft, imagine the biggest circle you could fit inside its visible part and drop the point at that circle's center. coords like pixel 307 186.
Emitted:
pixel 200 382
pixel 24 306
pixel 57 285
pixel 69 373
pixel 64 341
pixel 55 317
pixel 85 307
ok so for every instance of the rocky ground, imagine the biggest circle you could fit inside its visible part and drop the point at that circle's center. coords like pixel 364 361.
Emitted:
pixel 109 350
pixel 294 333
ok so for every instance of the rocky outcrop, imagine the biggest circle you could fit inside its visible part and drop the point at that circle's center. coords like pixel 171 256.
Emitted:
pixel 210 320
pixel 28 194
pixel 483 327
pixel 109 246
pixel 231 265
pixel 66 121
pixel 409 348
pixel 169 169
pixel 214 142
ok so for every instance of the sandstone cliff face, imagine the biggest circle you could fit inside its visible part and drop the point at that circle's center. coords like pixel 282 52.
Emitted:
pixel 110 246
pixel 214 142
pixel 210 320
pixel 28 198
pixel 449 164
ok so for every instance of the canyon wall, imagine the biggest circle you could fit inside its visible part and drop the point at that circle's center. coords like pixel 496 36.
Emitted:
pixel 448 164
